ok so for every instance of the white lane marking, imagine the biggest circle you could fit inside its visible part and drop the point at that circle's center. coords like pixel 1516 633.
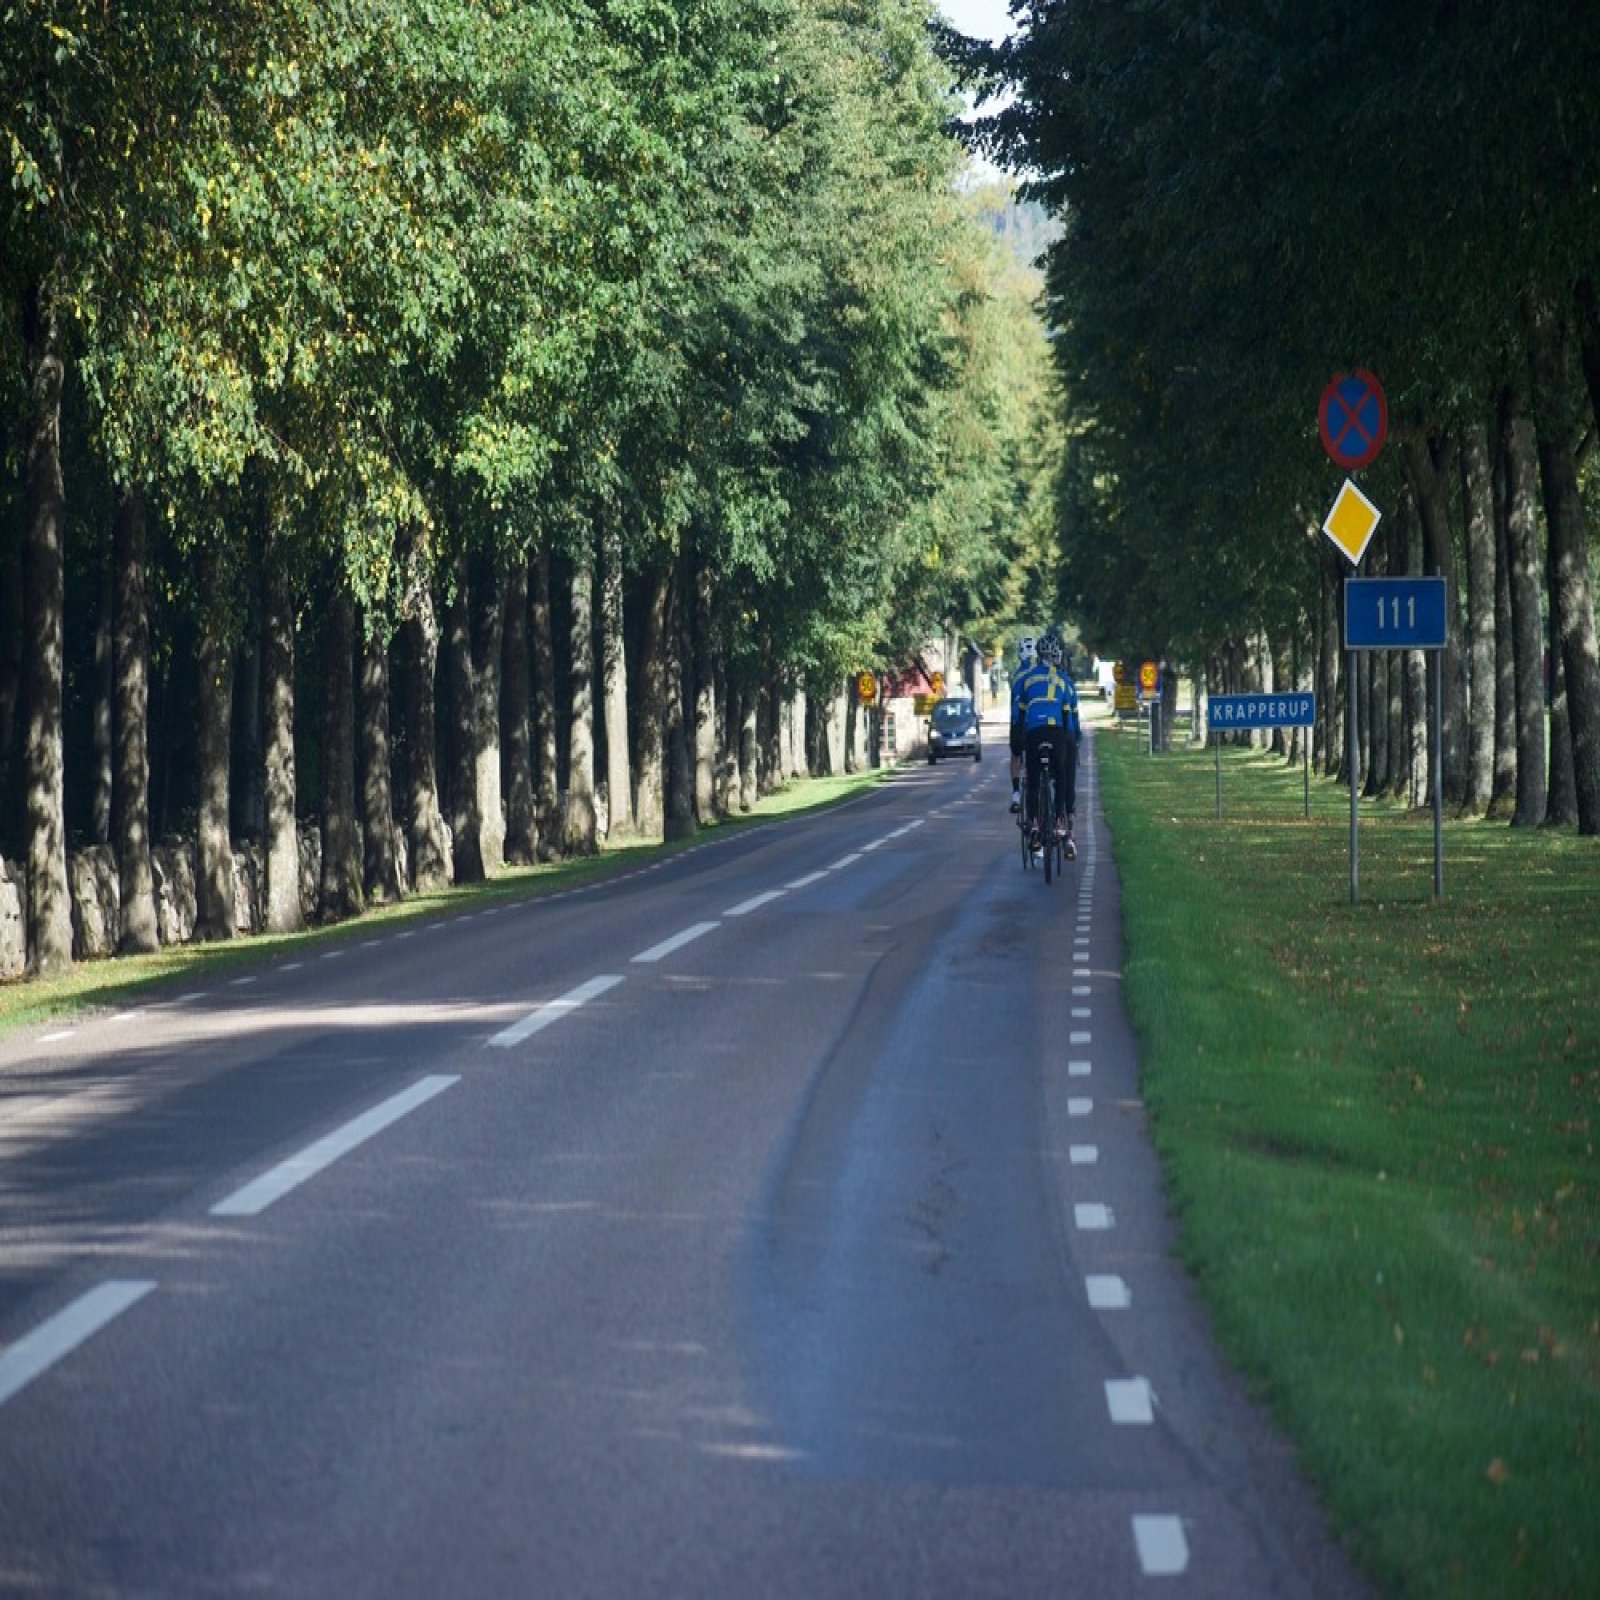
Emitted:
pixel 1081 990
pixel 35 1353
pixel 291 966
pixel 1080 1108
pixel 1130 1402
pixel 56 1037
pixel 1163 1549
pixel 1107 1292
pixel 125 1016
pixel 1092 1218
pixel 410 933
pixel 369 944
pixel 239 983
pixel 688 935
pixel 1081 1036
pixel 1082 1013
pixel 754 903
pixel 1084 1155
pixel 845 861
pixel 332 955
pixel 1078 1069
pixel 259 1193
pixel 553 1010
pixel 806 882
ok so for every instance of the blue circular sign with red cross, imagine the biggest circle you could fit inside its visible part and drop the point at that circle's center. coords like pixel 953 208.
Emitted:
pixel 1353 419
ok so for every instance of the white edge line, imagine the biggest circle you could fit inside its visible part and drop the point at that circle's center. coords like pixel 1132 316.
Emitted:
pixel 754 903
pixel 676 942
pixel 553 1010
pixel 36 1352
pixel 259 1193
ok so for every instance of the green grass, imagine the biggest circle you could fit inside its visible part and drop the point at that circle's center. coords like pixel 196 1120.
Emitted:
pixel 1377 1123
pixel 93 985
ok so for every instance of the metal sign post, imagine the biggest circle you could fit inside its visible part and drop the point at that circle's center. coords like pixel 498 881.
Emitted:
pixel 1401 614
pixel 1229 713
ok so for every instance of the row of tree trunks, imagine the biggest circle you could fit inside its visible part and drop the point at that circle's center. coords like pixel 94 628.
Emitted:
pixel 214 917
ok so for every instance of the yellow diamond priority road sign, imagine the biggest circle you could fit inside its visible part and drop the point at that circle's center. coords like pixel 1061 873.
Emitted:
pixel 1352 522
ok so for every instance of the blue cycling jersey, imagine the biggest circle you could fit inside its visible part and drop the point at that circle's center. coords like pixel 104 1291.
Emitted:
pixel 1044 698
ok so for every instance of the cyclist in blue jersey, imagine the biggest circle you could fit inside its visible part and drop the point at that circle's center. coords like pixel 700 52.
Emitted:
pixel 1049 703
pixel 1025 658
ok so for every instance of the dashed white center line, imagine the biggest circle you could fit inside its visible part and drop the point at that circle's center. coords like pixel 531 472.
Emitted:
pixel 35 1353
pixel 291 966
pixel 56 1037
pixel 1130 1402
pixel 1107 1292
pixel 553 1010
pixel 1080 1036
pixel 1081 990
pixel 1078 1069
pixel 1163 1549
pixel 1091 1217
pixel 806 882
pixel 754 903
pixel 688 935
pixel 1084 1155
pixel 239 983
pixel 845 861
pixel 259 1193
pixel 332 955
pixel 1080 1108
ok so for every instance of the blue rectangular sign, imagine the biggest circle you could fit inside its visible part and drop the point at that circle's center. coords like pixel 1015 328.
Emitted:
pixel 1394 614
pixel 1224 712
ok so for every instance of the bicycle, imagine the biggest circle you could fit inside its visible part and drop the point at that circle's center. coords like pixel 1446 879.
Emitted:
pixel 1045 813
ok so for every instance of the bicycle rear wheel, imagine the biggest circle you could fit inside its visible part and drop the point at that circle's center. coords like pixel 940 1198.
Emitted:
pixel 1047 817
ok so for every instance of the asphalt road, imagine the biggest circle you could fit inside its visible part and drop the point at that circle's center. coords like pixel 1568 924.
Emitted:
pixel 777 1221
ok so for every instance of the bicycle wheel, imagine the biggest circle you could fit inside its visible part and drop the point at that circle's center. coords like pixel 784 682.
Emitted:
pixel 1047 815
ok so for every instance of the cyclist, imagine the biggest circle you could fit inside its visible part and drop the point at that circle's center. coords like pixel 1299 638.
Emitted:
pixel 1050 716
pixel 1025 660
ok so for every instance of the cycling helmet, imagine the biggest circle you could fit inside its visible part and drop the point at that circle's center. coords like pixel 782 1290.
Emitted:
pixel 1050 649
pixel 1025 649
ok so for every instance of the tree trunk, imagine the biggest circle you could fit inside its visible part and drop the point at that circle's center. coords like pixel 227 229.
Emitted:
pixel 580 835
pixel 284 912
pixel 461 761
pixel 749 748
pixel 130 773
pixel 614 677
pixel 49 904
pixel 655 689
pixel 214 712
pixel 1503 799
pixel 547 798
pixel 340 895
pixel 522 817
pixel 1525 566
pixel 488 809
pixel 1419 763
pixel 679 821
pixel 101 736
pixel 1571 590
pixel 11 661
pixel 1428 490
pixel 1477 499
pixel 1328 740
pixel 429 849
pixel 1589 341
pixel 380 876
pixel 704 675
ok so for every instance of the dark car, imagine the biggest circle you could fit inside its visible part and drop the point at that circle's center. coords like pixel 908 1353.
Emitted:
pixel 955 730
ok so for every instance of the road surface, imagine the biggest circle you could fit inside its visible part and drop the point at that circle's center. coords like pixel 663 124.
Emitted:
pixel 778 1220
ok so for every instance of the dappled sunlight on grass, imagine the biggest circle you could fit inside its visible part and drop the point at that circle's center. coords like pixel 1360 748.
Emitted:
pixel 1378 1122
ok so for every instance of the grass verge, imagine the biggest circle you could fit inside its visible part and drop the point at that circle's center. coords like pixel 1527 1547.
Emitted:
pixel 1377 1124
pixel 95 984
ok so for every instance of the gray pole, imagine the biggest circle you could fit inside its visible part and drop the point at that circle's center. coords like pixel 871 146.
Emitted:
pixel 1437 684
pixel 1350 769
pixel 1216 744
pixel 1305 751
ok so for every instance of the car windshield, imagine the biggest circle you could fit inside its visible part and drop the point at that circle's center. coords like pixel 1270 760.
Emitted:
pixel 952 713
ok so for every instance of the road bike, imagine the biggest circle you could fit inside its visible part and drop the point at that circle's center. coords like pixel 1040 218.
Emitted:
pixel 1044 812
